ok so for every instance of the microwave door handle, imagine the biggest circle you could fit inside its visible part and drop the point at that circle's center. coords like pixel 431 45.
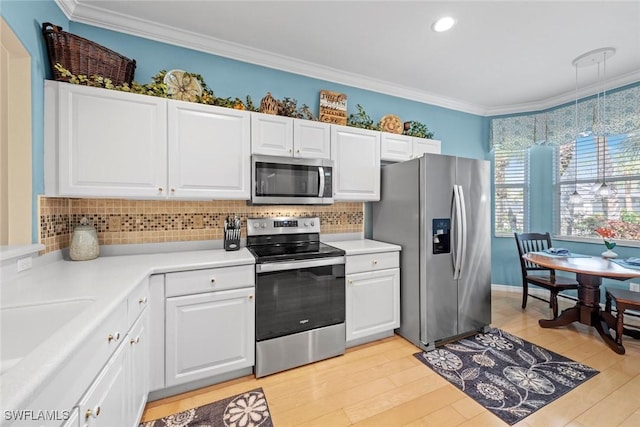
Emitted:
pixel 321 180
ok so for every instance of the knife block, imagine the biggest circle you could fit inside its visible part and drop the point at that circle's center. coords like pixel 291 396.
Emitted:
pixel 231 240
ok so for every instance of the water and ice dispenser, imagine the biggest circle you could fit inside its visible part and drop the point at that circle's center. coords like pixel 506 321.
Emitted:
pixel 441 235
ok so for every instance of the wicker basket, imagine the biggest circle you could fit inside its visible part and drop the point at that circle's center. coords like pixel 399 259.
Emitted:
pixel 82 56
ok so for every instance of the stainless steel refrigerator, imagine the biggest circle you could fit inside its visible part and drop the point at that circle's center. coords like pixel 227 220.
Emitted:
pixel 438 209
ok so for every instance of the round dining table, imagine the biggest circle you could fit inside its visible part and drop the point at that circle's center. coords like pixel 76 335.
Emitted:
pixel 589 273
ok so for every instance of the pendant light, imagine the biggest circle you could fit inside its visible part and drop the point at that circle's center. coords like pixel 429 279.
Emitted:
pixel 599 56
pixel 576 198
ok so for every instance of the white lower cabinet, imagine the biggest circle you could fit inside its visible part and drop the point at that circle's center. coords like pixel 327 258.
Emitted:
pixel 209 334
pixel 106 402
pixel 372 296
pixel 138 365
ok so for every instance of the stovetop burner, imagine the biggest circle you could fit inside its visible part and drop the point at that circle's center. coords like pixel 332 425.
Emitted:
pixel 287 239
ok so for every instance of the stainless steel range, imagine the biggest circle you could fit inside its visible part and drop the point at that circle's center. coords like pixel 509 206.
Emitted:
pixel 300 293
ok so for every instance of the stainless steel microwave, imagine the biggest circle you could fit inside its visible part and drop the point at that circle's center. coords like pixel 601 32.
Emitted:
pixel 291 181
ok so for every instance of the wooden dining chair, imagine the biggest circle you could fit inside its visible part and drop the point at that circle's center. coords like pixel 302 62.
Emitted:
pixel 623 300
pixel 537 275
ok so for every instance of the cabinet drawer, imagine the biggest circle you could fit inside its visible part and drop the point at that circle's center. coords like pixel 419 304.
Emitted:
pixel 211 279
pixel 371 262
pixel 137 302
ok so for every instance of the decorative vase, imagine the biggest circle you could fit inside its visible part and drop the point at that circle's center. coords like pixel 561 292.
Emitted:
pixel 609 254
pixel 84 242
pixel 269 105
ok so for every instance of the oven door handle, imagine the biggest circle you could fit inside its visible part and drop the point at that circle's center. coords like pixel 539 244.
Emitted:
pixel 295 265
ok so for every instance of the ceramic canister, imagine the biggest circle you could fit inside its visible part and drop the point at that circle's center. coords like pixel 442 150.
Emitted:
pixel 84 242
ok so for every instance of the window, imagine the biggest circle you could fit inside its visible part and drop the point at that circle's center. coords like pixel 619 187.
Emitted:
pixel 614 160
pixel 511 195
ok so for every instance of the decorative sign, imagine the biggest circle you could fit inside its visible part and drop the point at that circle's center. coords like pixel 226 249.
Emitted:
pixel 333 107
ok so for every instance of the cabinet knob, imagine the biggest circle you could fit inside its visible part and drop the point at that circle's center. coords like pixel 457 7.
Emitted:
pixel 213 280
pixel 142 300
pixel 160 189
pixel 112 337
pixel 135 340
pixel 250 296
pixel 298 151
pixel 375 262
pixel 92 413
pixel 290 150
pixel 173 190
pixel 350 282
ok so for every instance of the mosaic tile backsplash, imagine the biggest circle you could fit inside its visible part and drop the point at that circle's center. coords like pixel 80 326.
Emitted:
pixel 120 221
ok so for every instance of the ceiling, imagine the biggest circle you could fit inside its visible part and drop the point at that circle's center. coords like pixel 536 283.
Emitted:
pixel 501 56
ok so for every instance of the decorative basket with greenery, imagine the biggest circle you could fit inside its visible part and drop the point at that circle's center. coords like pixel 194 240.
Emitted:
pixel 361 120
pixel 417 129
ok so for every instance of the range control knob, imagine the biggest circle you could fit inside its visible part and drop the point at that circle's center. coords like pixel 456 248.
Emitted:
pixel 312 223
pixel 256 224
pixel 264 225
pixel 306 223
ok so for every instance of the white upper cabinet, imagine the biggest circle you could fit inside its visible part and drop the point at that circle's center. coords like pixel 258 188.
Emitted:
pixel 311 139
pixel 106 143
pixel 209 152
pixel 289 137
pixel 398 148
pixel 356 154
pixel 101 142
pixel 271 135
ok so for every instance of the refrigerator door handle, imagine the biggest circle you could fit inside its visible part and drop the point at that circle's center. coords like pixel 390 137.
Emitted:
pixel 463 217
pixel 457 217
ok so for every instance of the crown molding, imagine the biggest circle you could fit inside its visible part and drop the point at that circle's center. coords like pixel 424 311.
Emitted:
pixel 85 13
pixel 556 101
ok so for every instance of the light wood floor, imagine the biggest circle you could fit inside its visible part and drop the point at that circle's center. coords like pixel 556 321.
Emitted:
pixel 382 384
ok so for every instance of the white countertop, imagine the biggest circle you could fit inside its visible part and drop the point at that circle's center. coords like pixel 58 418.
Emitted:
pixel 364 246
pixel 105 282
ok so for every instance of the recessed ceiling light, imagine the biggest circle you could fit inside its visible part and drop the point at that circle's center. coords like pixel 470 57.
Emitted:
pixel 443 24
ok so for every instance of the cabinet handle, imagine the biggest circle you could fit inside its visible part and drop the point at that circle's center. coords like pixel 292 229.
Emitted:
pixel 135 340
pixel 160 189
pixel 142 300
pixel 90 413
pixel 112 337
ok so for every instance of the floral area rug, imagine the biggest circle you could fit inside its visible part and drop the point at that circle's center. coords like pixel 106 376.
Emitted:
pixel 507 375
pixel 248 409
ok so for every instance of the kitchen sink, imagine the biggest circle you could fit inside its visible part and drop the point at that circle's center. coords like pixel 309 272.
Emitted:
pixel 24 327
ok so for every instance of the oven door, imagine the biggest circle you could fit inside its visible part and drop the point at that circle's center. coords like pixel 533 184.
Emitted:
pixel 284 180
pixel 299 296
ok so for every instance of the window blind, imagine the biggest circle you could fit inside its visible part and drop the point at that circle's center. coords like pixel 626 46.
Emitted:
pixel 511 191
pixel 583 167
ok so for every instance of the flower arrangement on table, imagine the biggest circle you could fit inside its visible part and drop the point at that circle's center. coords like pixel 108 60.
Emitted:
pixel 607 235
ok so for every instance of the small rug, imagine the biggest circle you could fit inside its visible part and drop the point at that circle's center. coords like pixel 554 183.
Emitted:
pixel 507 375
pixel 243 410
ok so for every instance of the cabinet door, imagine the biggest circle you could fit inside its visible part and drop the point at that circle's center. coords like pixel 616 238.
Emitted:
pixel 421 146
pixel 209 334
pixel 110 143
pixel 272 135
pixel 106 402
pixel 138 367
pixel 311 139
pixel 395 148
pixel 209 152
pixel 356 153
pixel 373 303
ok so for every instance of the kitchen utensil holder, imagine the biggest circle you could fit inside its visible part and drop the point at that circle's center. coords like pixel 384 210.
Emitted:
pixel 232 239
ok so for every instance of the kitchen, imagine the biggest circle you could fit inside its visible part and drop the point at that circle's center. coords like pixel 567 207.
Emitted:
pixel 461 133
